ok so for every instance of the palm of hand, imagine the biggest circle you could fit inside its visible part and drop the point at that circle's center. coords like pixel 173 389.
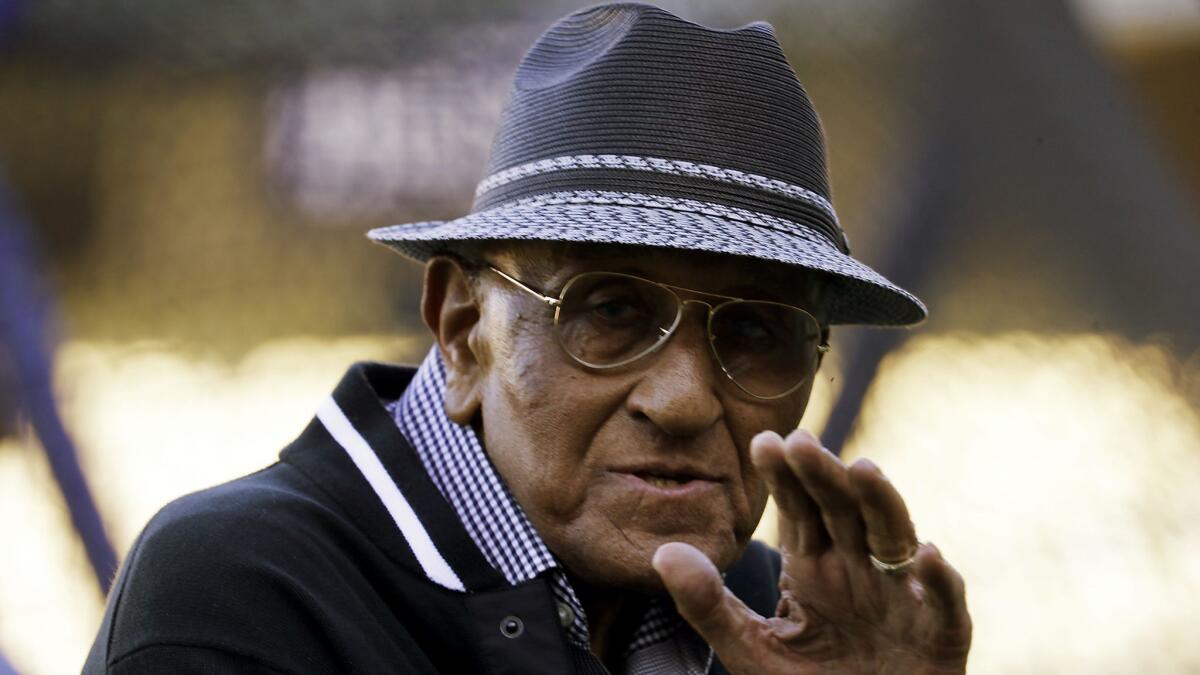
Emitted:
pixel 833 619
pixel 837 613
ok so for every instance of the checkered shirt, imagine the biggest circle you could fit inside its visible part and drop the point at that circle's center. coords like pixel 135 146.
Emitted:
pixel 455 460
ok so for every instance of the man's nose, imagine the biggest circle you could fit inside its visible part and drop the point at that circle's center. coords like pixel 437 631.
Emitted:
pixel 678 388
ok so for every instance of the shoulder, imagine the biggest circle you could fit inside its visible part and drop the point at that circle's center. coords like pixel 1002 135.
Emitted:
pixel 218 569
pixel 257 517
pixel 754 578
pixel 761 558
pixel 227 515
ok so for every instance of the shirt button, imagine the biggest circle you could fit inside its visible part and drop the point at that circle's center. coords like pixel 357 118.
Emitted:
pixel 566 617
pixel 512 626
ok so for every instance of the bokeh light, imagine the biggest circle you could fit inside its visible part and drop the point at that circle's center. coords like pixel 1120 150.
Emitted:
pixel 1058 474
pixel 197 180
pixel 155 424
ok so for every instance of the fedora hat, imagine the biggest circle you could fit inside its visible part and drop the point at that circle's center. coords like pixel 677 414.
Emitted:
pixel 626 124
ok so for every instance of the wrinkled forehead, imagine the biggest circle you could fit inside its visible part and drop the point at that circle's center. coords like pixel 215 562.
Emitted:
pixel 550 264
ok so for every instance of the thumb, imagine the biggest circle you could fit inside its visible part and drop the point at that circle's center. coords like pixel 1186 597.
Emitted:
pixel 701 597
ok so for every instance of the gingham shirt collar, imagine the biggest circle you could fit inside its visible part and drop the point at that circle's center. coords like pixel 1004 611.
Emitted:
pixel 456 461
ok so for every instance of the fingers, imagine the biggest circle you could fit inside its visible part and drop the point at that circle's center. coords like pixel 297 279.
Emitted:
pixel 858 509
pixel 851 513
pixel 825 480
pixel 890 535
pixel 944 589
pixel 700 596
pixel 803 531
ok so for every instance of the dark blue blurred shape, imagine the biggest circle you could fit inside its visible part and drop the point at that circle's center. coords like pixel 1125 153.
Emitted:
pixel 25 346
pixel 5 667
pixel 10 16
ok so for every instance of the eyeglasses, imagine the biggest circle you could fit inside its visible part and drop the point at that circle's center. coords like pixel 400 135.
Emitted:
pixel 609 319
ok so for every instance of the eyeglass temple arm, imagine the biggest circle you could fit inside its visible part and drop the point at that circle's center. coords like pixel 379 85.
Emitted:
pixel 552 301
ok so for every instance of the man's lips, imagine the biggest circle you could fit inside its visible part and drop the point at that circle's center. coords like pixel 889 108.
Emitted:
pixel 668 478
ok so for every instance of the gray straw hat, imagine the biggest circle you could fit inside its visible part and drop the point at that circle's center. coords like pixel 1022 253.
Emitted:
pixel 628 125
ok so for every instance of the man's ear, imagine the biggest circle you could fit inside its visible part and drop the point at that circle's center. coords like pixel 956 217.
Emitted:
pixel 450 309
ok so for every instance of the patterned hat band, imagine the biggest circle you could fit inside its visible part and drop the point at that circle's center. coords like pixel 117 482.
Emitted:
pixel 668 183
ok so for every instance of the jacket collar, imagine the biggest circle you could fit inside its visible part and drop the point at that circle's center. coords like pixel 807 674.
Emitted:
pixel 353 450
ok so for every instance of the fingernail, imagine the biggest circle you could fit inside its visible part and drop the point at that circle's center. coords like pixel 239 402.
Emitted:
pixel 801 436
pixel 657 560
pixel 868 465
pixel 764 436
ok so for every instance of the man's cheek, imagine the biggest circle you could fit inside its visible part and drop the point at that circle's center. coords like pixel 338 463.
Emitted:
pixel 749 505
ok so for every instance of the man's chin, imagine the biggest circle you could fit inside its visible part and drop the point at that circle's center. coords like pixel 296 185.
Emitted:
pixel 625 563
pixel 641 581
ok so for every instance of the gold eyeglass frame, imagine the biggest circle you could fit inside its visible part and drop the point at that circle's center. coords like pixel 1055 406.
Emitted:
pixel 556 303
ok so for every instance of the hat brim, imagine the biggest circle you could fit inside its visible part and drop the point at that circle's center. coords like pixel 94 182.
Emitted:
pixel 857 293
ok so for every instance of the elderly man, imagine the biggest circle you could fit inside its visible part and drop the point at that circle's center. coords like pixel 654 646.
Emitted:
pixel 627 330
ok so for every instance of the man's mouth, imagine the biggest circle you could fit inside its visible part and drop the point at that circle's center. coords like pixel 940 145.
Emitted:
pixel 670 477
pixel 663 481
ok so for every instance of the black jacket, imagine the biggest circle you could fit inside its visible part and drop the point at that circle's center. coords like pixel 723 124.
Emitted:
pixel 300 568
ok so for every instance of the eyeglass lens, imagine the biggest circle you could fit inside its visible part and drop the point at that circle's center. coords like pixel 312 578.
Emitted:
pixel 607 319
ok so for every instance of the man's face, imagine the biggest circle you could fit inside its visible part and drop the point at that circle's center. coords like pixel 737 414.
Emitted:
pixel 580 449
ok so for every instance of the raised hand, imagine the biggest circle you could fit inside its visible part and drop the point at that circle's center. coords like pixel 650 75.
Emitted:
pixel 840 612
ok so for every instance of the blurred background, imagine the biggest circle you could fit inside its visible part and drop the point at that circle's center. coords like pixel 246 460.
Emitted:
pixel 184 189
